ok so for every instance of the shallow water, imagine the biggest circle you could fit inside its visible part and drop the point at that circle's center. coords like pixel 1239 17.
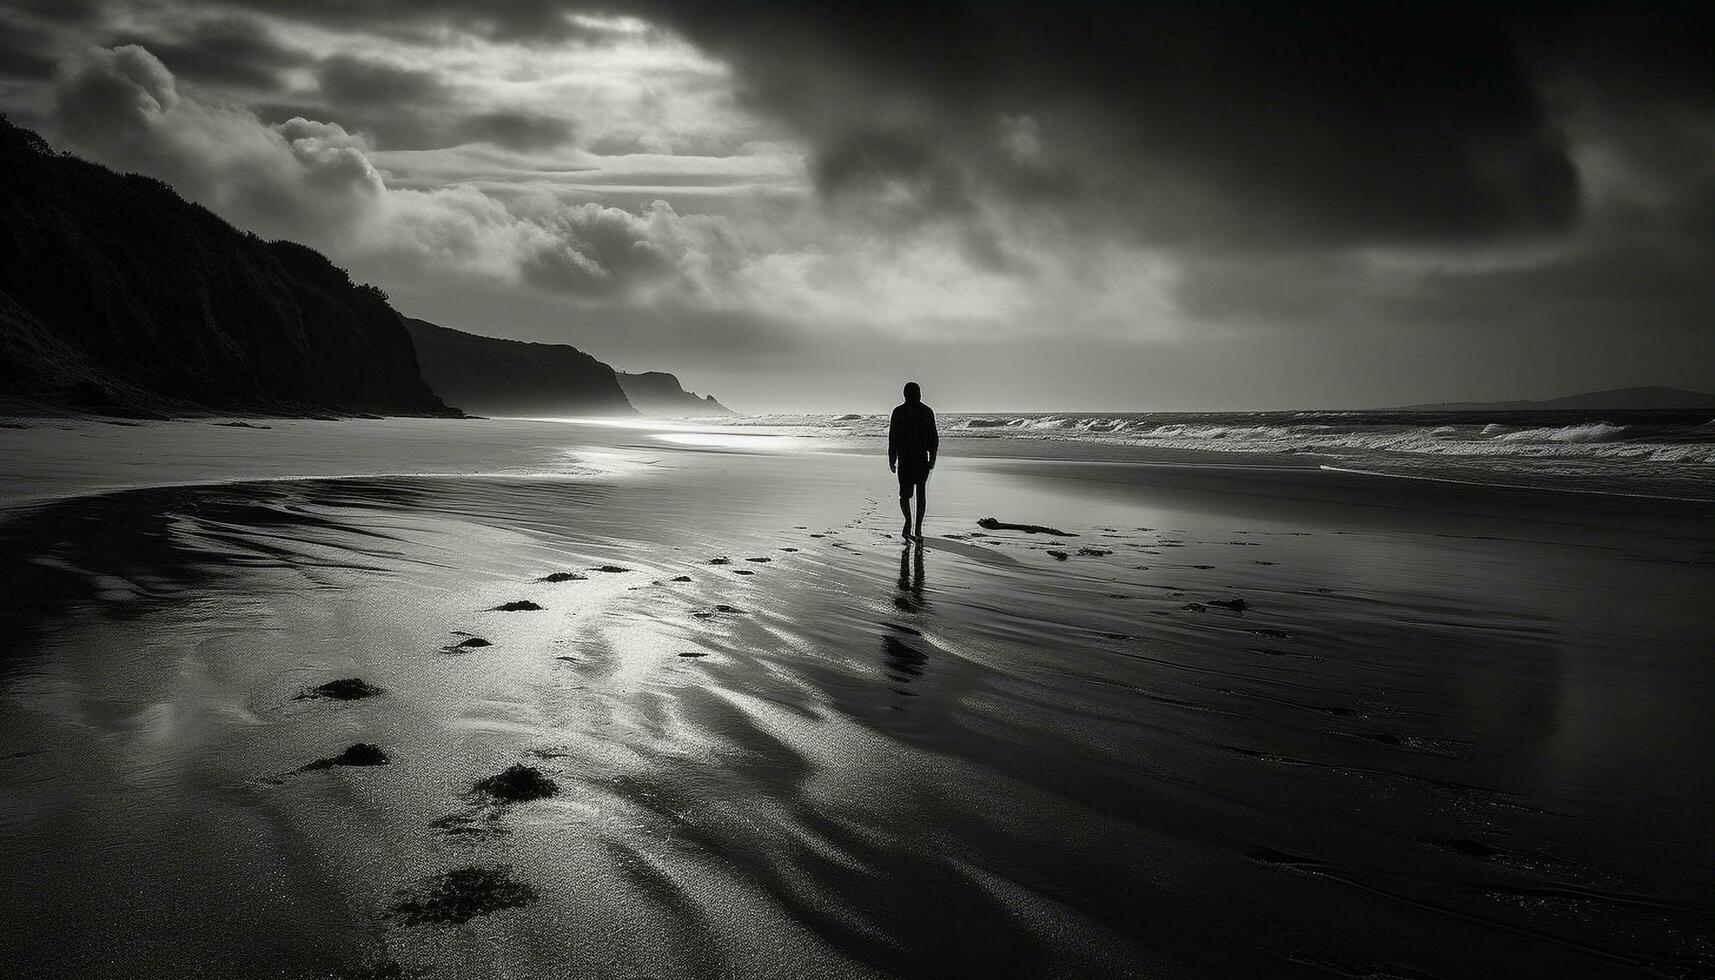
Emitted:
pixel 1455 730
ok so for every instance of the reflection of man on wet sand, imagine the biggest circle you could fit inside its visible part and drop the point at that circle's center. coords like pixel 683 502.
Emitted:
pixel 912 443
pixel 910 596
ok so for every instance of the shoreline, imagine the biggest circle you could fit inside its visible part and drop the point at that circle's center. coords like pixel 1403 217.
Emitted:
pixel 180 451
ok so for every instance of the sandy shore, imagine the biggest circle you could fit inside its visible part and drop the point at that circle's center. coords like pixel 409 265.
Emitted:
pixel 1451 731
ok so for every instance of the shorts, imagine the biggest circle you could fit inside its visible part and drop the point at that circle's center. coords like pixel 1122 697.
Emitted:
pixel 912 473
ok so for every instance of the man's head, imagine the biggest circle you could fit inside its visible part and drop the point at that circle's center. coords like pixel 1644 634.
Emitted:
pixel 912 392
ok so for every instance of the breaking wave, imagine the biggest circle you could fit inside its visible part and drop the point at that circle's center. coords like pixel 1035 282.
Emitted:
pixel 1674 448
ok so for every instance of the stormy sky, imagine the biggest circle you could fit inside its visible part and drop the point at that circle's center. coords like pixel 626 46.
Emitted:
pixel 1023 205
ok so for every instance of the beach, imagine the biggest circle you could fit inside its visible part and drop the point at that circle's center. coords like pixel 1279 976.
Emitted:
pixel 1245 713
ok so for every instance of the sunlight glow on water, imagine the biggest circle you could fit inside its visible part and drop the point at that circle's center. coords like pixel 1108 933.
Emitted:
pixel 735 440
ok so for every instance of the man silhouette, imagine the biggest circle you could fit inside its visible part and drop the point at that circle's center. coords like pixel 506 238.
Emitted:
pixel 912 443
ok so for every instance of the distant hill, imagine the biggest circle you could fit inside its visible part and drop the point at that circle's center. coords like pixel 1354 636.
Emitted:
pixel 118 296
pixel 490 376
pixel 659 393
pixel 1614 399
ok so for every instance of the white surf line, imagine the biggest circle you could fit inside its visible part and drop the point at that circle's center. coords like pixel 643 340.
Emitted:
pixel 1511 486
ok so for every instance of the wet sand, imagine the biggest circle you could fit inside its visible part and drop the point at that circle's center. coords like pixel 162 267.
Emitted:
pixel 1452 731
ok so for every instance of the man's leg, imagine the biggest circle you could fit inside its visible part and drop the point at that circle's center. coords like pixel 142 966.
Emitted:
pixel 922 494
pixel 905 508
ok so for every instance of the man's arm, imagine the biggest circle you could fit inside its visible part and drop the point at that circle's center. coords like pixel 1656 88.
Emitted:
pixel 934 437
pixel 893 440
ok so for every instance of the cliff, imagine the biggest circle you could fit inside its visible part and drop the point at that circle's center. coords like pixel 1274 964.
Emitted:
pixel 659 393
pixel 490 376
pixel 118 296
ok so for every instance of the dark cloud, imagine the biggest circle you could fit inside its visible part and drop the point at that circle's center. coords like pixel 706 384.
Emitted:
pixel 523 21
pixel 523 131
pixel 24 52
pixel 1210 124
pixel 223 51
pixel 347 80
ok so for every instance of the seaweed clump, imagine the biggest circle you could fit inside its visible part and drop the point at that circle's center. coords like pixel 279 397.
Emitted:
pixel 361 754
pixel 518 783
pixel 462 894
pixel 344 689
pixel 517 605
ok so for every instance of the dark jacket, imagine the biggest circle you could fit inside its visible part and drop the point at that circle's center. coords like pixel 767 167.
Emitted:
pixel 911 435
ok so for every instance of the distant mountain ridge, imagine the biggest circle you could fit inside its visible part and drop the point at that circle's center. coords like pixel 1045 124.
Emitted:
pixel 118 296
pixel 660 393
pixel 491 376
pixel 1614 399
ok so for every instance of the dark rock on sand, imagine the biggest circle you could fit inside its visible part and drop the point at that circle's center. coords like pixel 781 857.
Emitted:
pixel 722 560
pixel 463 894
pixel 345 689
pixel 743 571
pixel 361 754
pixel 518 783
pixel 611 569
pixel 1088 552
pixel 471 643
pixel 1059 555
pixel 993 524
pixel 517 605
pixel 1236 605
pixel 680 578
pixel 1194 607
pixel 563 577
pixel 760 560
pixel 694 653
pixel 788 549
